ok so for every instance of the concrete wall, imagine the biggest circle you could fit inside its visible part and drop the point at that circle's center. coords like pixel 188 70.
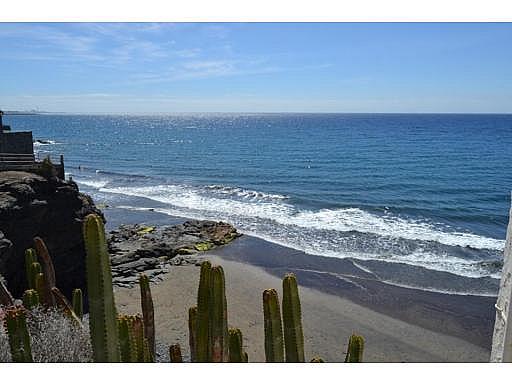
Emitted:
pixel 16 142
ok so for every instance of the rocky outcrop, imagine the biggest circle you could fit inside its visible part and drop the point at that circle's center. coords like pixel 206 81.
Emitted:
pixel 152 250
pixel 53 209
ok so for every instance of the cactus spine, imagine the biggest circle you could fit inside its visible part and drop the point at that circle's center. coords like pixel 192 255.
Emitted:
pixel 203 299
pixel 355 349
pixel 147 312
pixel 19 338
pixel 47 269
pixel 274 348
pixel 292 321
pixel 175 353
pixel 102 310
pixel 218 317
pixel 30 257
pixel 78 303
pixel 236 351
pixel 192 332
pixel 30 299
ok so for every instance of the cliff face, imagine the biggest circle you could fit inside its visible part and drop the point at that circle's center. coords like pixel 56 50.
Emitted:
pixel 52 209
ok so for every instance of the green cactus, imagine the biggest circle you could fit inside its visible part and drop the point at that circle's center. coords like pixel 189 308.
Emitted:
pixel 175 353
pixel 317 360
pixel 78 303
pixel 203 300
pixel 30 299
pixel 6 298
pixel 102 309
pixel 274 348
pixel 47 269
pixel 147 312
pixel 218 317
pixel 138 333
pixel 34 270
pixel 39 283
pixel 30 257
pixel 236 350
pixel 126 341
pixel 355 349
pixel 192 332
pixel 292 321
pixel 15 323
pixel 65 306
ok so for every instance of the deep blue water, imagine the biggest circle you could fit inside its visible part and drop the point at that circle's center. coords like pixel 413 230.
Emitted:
pixel 428 190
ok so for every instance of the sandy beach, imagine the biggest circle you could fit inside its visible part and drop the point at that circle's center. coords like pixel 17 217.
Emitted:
pixel 328 320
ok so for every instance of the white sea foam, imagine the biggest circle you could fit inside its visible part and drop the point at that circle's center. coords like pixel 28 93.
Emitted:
pixel 97 184
pixel 340 220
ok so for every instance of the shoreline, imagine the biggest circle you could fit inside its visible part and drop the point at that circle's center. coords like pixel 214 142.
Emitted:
pixel 328 320
pixel 360 282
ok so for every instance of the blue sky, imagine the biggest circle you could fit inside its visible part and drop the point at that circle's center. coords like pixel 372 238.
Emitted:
pixel 256 67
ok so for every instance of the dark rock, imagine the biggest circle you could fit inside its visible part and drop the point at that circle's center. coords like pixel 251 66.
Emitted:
pixel 148 249
pixel 53 209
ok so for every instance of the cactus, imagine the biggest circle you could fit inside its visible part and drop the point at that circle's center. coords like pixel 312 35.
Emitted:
pixel 126 341
pixel 78 303
pixel 292 321
pixel 48 270
pixel 192 332
pixel 6 298
pixel 102 309
pixel 30 299
pixel 34 269
pixel 19 339
pixel 64 304
pixel 317 360
pixel 203 299
pixel 30 257
pixel 236 352
pixel 147 312
pixel 274 348
pixel 175 353
pixel 355 349
pixel 218 317
pixel 39 283
pixel 138 336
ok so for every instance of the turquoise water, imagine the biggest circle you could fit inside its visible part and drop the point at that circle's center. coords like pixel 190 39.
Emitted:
pixel 426 190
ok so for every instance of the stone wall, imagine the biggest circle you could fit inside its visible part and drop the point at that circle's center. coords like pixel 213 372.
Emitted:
pixel 16 142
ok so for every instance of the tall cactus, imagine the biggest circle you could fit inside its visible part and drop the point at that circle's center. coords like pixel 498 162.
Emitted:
pixel 236 349
pixel 102 309
pixel 78 303
pixel 292 321
pixel 192 333
pixel 203 300
pixel 274 348
pixel 47 269
pixel 355 349
pixel 19 339
pixel 147 312
pixel 30 299
pixel 30 257
pixel 175 353
pixel 218 317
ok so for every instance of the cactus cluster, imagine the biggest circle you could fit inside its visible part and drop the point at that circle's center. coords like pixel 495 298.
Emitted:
pixel 208 322
pixel 131 338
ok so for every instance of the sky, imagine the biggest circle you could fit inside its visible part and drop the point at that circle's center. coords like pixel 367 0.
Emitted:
pixel 256 67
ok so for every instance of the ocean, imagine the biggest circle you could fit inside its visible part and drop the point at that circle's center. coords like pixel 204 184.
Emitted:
pixel 426 190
